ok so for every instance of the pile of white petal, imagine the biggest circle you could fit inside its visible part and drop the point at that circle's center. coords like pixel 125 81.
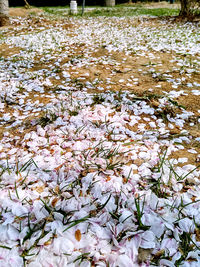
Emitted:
pixel 95 185
pixel 87 190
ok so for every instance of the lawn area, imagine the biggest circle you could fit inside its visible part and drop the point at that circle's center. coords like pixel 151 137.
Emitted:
pixel 100 140
pixel 123 10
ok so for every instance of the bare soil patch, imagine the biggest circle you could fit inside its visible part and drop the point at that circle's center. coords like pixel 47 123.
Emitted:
pixel 6 51
pixel 23 12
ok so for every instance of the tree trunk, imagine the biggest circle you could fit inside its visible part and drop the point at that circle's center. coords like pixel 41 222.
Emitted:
pixel 185 8
pixel 110 2
pixel 4 16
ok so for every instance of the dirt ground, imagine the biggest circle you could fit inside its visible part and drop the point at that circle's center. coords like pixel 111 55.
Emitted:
pixel 23 12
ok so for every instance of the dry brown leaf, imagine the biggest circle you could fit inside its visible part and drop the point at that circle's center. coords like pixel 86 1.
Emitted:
pixel 193 198
pixel 125 180
pixel 56 189
pixel 48 242
pixel 58 168
pixel 111 114
pixel 108 178
pixel 39 189
pixel 54 201
pixel 78 235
